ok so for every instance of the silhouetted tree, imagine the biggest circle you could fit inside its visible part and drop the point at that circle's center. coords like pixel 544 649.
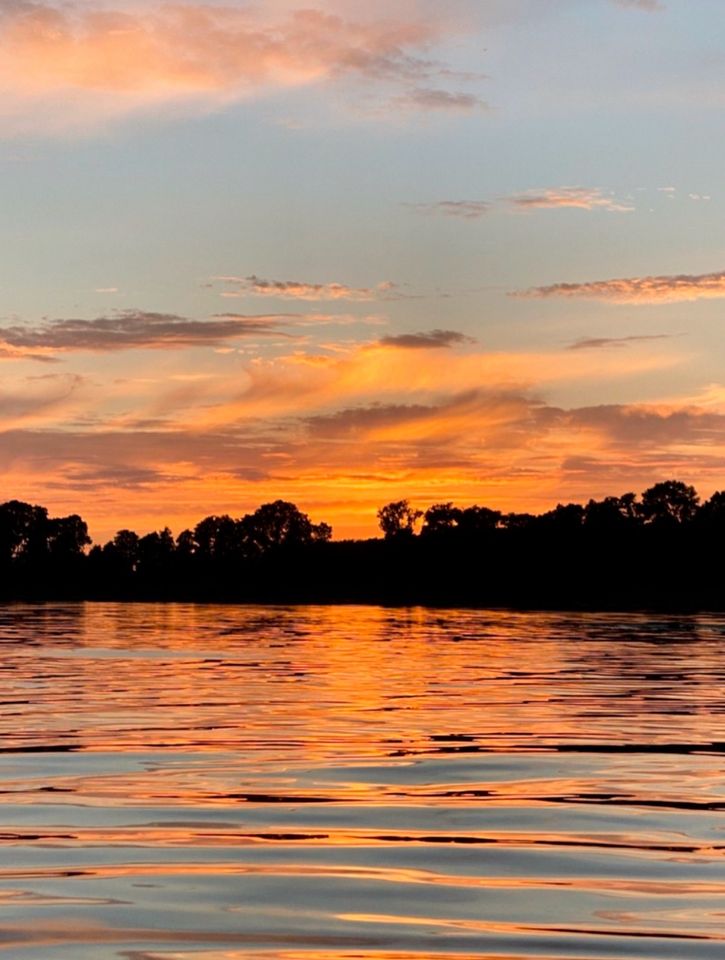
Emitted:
pixel 712 512
pixel 564 517
pixel 517 521
pixel 439 519
pixel 217 538
pixel 23 531
pixel 669 502
pixel 476 520
pixel 155 550
pixel 616 552
pixel 611 513
pixel 398 519
pixel 280 524
pixel 185 544
pixel 321 532
pixel 122 551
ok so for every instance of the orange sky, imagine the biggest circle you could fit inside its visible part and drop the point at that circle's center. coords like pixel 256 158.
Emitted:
pixel 344 256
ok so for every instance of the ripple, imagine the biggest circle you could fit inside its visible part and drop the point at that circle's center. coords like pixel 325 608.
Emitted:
pixel 201 783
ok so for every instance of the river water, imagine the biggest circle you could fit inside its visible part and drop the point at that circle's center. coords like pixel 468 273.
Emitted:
pixel 224 783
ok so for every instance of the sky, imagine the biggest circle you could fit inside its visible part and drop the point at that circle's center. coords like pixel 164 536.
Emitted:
pixel 343 254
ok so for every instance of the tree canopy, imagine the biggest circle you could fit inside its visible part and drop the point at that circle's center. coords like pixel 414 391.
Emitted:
pixel 624 550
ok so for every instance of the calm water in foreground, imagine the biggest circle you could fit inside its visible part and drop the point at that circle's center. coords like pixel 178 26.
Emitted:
pixel 224 783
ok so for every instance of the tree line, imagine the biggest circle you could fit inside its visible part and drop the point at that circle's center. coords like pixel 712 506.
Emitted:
pixel 660 549
pixel 668 504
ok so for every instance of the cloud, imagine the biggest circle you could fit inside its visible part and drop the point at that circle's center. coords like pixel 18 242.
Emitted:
pixel 35 399
pixel 433 339
pixel 444 421
pixel 9 352
pixel 638 290
pixel 132 329
pixel 306 383
pixel 101 62
pixel 313 319
pixel 504 448
pixel 595 343
pixel 354 421
pixel 254 286
pixel 465 209
pixel 650 6
pixel 425 98
pixel 338 433
pixel 580 198
pixel 642 425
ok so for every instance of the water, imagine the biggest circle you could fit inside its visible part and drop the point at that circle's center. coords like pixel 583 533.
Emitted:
pixel 220 783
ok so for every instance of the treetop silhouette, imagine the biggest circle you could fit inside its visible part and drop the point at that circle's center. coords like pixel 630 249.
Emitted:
pixel 615 552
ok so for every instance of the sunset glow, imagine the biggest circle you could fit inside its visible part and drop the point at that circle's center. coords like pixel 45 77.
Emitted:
pixel 344 255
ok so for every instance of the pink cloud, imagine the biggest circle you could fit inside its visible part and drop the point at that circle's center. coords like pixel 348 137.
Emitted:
pixel 101 63
pixel 581 198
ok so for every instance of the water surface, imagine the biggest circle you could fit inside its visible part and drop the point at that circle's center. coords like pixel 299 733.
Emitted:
pixel 220 783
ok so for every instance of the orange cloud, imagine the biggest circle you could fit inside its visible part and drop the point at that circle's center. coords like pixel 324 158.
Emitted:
pixel 580 198
pixel 302 383
pixel 638 290
pixel 505 450
pixel 101 63
pixel 341 433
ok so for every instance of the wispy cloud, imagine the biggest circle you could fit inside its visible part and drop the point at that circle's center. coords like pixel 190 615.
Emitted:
pixel 581 198
pixel 465 209
pixel 139 329
pixel 501 447
pixel 38 399
pixel 550 198
pixel 428 98
pixel 638 290
pixel 132 329
pixel 596 343
pixel 254 286
pixel 431 339
pixel 101 62
pixel 312 319
pixel 339 433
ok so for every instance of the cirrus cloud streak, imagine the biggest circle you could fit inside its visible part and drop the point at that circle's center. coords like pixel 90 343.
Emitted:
pixel 254 286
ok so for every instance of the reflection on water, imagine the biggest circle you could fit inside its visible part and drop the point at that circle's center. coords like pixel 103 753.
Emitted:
pixel 218 783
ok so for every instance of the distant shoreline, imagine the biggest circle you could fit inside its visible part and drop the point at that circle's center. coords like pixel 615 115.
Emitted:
pixel 663 552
